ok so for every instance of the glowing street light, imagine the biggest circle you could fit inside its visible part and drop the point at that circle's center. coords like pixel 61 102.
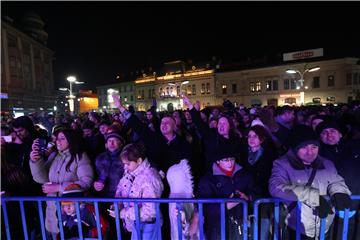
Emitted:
pixel 71 97
pixel 301 80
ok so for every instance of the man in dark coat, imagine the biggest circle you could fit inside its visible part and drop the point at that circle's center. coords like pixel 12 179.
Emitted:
pixel 346 157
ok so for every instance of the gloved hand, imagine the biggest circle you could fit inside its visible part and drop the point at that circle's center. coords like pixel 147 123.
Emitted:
pixel 324 209
pixel 341 201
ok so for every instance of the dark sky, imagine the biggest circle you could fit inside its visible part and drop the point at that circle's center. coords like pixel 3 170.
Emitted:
pixel 97 40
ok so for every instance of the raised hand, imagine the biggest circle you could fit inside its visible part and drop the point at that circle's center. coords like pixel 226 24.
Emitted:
pixel 117 100
pixel 187 102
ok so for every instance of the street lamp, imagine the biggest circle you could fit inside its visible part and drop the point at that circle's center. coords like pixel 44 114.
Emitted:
pixel 301 80
pixel 71 97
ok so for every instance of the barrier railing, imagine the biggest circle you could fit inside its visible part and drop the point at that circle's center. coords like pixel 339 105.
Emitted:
pixel 199 203
pixel 276 218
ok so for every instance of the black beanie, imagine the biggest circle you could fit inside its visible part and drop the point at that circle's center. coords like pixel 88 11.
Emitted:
pixel 327 124
pixel 226 151
pixel 302 135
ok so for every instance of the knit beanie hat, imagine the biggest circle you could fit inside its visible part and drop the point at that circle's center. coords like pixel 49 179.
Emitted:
pixel 73 190
pixel 114 135
pixel 302 135
pixel 226 151
pixel 327 124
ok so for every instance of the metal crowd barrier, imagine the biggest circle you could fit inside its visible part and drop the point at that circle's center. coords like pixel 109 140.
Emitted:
pixel 199 203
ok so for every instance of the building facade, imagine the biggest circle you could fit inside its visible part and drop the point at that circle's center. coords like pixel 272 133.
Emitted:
pixel 27 83
pixel 337 81
pixel 124 89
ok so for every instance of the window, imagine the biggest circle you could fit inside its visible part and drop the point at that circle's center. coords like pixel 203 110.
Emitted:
pixel 142 94
pixel 290 100
pixel 348 79
pixel 233 88
pixel 316 82
pixel 139 95
pixel 125 88
pixel 224 89
pixel 149 93
pixel 316 100
pixel 275 86
pixel 193 89
pixel 161 91
pixel 258 86
pixel 331 81
pixel 252 87
pixel 286 84
pixel 330 99
pixel 178 90
pixel 208 88
pixel 188 91
pixel 268 85
pixel 202 88
pixel 293 83
pixel 355 79
pixel 132 98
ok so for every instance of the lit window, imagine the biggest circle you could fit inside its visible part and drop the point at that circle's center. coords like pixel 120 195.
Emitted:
pixel 208 88
pixel 258 86
pixel 268 85
pixel 193 89
pixel 331 81
pixel 203 88
pixel 224 89
pixel 252 87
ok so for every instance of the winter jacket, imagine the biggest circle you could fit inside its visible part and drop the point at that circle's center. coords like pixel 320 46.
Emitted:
pixel 181 186
pixel 261 169
pixel 217 185
pixel 162 153
pixel 213 141
pixel 54 170
pixel 143 182
pixel 288 179
pixel 110 170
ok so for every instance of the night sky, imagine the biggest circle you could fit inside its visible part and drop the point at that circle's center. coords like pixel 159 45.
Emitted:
pixel 98 40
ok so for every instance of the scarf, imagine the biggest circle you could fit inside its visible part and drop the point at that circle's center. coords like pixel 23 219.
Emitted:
pixel 226 172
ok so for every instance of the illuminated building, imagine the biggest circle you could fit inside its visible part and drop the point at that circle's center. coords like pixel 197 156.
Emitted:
pixel 27 83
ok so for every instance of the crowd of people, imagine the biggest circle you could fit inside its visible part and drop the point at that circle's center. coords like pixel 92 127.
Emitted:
pixel 308 154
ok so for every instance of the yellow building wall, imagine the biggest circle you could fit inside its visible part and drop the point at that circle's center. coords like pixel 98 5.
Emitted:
pixel 88 104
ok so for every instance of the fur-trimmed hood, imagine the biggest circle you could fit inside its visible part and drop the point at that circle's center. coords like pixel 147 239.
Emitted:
pixel 180 180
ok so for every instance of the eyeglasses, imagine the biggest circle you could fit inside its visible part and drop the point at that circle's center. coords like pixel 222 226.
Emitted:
pixel 229 159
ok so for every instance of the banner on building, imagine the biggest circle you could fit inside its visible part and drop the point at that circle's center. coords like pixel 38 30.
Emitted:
pixel 312 53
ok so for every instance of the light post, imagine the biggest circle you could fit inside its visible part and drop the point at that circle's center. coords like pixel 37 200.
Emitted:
pixel 71 97
pixel 301 80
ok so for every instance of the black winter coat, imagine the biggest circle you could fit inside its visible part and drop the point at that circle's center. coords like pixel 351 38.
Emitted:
pixel 213 141
pixel 217 185
pixel 261 170
pixel 161 154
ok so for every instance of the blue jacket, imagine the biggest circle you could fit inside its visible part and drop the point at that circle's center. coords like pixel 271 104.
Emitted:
pixel 109 170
